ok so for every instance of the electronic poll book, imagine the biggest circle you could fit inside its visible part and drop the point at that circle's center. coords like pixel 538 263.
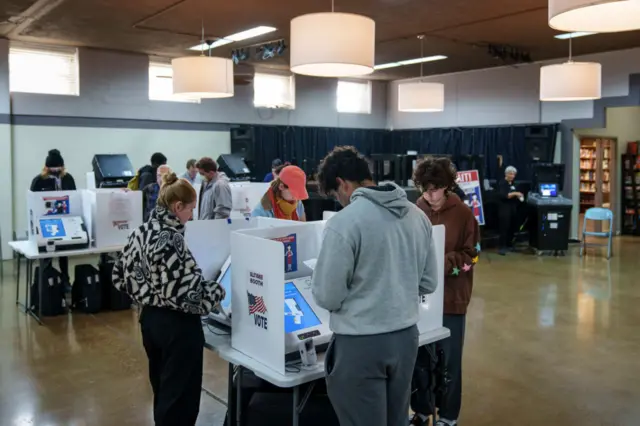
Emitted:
pixel 303 319
pixel 61 232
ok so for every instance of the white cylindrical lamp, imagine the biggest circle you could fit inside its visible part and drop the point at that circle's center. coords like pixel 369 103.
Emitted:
pixel 202 77
pixel 598 16
pixel 571 81
pixel 332 44
pixel 420 97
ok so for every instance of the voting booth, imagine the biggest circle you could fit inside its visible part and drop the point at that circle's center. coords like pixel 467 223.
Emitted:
pixel 245 197
pixel 57 220
pixel 112 215
pixel 272 301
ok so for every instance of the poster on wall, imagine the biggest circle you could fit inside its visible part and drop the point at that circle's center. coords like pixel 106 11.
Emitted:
pixel 469 183
pixel 290 253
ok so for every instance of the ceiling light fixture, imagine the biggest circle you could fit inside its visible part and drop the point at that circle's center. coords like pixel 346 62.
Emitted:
pixel 242 35
pixel 421 96
pixel 571 81
pixel 332 44
pixel 577 34
pixel 202 76
pixel 600 16
pixel 410 62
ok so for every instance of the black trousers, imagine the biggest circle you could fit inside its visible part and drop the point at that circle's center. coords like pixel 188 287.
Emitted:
pixel 449 407
pixel 507 225
pixel 174 343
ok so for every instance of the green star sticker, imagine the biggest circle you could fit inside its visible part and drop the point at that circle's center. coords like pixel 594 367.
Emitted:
pixel 456 271
pixel 478 247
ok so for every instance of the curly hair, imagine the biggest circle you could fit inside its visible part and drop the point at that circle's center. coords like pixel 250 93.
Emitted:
pixel 438 172
pixel 344 162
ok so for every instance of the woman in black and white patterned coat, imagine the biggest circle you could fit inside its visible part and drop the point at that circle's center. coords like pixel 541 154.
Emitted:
pixel 158 271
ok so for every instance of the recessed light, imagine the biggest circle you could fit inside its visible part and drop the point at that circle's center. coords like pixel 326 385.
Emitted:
pixel 410 62
pixel 242 35
pixel 566 36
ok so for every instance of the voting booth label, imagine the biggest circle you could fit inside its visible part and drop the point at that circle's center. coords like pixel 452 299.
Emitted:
pixel 469 183
pixel 290 253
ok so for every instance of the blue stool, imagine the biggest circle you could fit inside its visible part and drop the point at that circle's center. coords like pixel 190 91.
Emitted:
pixel 597 214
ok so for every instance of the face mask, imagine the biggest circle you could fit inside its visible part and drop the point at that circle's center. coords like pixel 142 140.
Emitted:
pixel 55 172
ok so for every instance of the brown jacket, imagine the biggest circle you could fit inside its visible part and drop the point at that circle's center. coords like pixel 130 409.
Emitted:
pixel 461 247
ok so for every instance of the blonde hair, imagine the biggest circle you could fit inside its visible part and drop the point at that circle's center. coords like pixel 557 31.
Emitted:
pixel 173 190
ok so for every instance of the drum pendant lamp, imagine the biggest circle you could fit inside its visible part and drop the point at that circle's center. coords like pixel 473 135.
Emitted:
pixel 571 81
pixel 420 96
pixel 332 44
pixel 599 16
pixel 198 77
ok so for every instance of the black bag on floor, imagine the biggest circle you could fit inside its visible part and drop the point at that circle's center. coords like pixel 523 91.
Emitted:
pixel 86 293
pixel 53 299
pixel 112 298
pixel 424 383
pixel 268 409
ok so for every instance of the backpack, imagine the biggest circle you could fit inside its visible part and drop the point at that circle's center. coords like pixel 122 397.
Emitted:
pixel 112 298
pixel 86 293
pixel 425 384
pixel 53 298
pixel 134 184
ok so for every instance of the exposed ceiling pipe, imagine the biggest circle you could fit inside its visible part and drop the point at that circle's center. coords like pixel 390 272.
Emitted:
pixel 36 11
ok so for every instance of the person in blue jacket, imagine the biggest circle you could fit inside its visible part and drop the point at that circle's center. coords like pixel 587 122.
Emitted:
pixel 273 174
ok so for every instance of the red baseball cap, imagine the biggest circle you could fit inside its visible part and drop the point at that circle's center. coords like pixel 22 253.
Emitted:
pixel 296 181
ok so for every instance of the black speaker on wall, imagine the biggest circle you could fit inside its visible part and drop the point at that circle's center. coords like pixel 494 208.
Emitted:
pixel 539 142
pixel 242 142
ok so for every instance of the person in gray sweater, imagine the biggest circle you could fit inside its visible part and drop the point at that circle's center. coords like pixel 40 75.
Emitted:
pixel 377 258
pixel 215 192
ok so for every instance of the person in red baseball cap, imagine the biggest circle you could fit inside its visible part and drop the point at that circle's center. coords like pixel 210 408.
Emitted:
pixel 283 199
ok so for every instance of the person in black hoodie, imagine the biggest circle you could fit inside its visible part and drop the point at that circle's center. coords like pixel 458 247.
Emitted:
pixel 148 174
pixel 54 177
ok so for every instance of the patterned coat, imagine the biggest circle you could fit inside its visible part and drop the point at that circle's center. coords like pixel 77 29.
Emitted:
pixel 156 268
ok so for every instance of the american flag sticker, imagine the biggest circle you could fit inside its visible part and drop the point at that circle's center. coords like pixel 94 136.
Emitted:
pixel 256 304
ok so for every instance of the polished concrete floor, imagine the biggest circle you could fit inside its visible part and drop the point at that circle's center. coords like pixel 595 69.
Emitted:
pixel 550 341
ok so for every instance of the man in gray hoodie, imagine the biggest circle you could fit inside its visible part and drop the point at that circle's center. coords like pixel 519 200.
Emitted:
pixel 215 192
pixel 376 259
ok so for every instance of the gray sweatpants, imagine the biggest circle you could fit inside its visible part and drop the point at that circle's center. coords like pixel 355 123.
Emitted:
pixel 369 377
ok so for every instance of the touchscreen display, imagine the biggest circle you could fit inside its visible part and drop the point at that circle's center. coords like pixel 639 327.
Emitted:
pixel 548 189
pixel 52 228
pixel 225 282
pixel 298 315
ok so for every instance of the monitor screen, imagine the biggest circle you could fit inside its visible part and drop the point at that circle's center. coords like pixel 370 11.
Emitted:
pixel 52 228
pixel 225 282
pixel 549 189
pixel 298 315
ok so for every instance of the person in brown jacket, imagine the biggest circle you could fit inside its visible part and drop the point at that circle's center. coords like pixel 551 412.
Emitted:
pixel 436 179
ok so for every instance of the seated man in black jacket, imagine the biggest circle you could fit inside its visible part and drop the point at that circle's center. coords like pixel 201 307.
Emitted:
pixel 508 208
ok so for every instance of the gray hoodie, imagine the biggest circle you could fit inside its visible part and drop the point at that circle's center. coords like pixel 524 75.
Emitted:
pixel 215 198
pixel 376 259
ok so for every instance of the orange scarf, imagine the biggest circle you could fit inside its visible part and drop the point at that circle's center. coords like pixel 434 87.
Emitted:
pixel 283 209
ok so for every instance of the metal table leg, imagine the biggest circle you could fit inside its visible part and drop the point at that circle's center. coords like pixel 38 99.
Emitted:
pixel 38 316
pixel 239 397
pixel 296 399
pixel 18 255
pixel 231 399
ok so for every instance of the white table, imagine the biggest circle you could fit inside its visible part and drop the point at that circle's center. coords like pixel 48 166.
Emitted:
pixel 221 344
pixel 29 250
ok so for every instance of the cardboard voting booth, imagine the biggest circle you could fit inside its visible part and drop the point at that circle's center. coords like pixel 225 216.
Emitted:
pixel 271 285
pixel 431 305
pixel 245 197
pixel 52 205
pixel 210 240
pixel 262 260
pixel 113 215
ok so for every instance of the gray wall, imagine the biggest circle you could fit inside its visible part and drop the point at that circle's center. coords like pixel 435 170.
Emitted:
pixel 115 85
pixel 510 95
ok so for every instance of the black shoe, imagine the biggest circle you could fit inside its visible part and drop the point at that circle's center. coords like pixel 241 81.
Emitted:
pixel 502 252
pixel 416 420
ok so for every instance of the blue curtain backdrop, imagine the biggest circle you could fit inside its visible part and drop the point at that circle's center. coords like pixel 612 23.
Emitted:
pixel 312 143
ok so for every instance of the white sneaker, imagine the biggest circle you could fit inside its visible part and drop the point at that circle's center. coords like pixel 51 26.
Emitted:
pixel 445 422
